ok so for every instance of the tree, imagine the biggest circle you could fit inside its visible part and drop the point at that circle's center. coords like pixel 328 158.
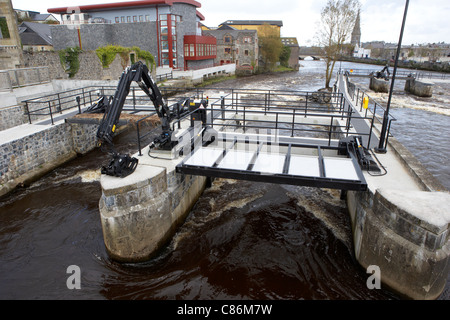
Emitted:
pixel 270 46
pixel 284 56
pixel 337 22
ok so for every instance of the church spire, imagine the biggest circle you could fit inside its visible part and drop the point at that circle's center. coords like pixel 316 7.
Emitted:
pixel 356 34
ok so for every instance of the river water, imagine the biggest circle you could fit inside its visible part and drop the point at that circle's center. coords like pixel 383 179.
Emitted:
pixel 242 240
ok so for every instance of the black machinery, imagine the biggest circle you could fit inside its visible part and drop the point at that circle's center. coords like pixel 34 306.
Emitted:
pixel 123 165
pixel 353 145
pixel 383 74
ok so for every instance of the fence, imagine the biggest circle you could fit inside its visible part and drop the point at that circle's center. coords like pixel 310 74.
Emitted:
pixel 291 113
pixel 294 113
pixel 21 77
pixel 373 107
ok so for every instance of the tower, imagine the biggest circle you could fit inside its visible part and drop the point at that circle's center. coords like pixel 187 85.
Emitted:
pixel 356 33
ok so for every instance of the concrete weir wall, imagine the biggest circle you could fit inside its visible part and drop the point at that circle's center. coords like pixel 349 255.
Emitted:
pixel 420 88
pixel 27 158
pixel 403 231
pixel 140 213
pixel 412 253
pixel 401 224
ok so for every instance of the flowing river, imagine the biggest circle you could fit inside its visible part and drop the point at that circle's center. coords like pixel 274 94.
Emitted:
pixel 242 240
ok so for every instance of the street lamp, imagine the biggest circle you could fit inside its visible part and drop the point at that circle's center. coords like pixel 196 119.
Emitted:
pixel 381 147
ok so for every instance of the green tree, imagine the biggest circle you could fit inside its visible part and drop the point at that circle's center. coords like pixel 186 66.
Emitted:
pixel 337 22
pixel 270 47
pixel 284 56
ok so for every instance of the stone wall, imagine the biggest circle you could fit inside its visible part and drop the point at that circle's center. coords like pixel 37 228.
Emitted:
pixel 93 36
pixel 90 66
pixel 11 117
pixel 28 158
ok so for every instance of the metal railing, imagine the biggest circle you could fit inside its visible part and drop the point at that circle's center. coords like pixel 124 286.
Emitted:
pixel 21 77
pixel 165 76
pixel 291 113
pixel 372 109
pixel 367 72
pixel 76 99
pixel 432 75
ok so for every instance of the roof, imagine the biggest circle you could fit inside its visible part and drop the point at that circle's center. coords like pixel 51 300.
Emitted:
pixel 41 17
pixel 119 5
pixel 226 27
pixel 232 32
pixel 278 23
pixel 35 33
pixel 290 41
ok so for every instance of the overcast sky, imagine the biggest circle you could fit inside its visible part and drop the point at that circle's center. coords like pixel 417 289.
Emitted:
pixel 427 20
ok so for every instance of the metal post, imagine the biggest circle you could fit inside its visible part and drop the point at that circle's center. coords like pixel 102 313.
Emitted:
pixel 306 104
pixel 222 106
pixel 381 147
pixel 28 111
pixel 59 102
pixel 50 109
pixel 79 104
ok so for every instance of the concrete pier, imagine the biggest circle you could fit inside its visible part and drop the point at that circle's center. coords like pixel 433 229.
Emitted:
pixel 402 224
pixel 141 212
pixel 379 85
pixel 420 88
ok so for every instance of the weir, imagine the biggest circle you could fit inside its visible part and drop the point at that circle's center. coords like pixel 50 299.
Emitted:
pixel 399 213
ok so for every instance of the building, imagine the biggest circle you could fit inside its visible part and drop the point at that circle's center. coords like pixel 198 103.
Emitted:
pixel 169 29
pixel 34 16
pixel 358 50
pixel 292 43
pixel 35 36
pixel 356 33
pixel 257 25
pixel 236 46
pixel 10 47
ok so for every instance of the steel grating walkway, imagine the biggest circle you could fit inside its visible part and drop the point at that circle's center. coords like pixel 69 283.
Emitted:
pixel 305 165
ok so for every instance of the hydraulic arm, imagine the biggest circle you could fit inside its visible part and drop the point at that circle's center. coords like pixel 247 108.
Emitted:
pixel 123 165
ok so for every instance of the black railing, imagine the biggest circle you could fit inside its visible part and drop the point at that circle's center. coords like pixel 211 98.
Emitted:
pixel 78 99
pixel 368 106
pixel 291 117
pixel 165 76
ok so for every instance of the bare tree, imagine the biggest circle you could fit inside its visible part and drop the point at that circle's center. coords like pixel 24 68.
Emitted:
pixel 337 22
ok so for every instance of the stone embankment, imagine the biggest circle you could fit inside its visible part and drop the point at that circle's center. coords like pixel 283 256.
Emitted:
pixel 26 158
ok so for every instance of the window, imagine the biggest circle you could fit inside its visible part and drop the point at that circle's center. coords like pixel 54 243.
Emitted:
pixel 147 17
pixel 246 52
pixel 227 39
pixel 122 19
pixel 227 50
pixel 141 18
pixel 117 20
pixel 134 18
pixel 128 19
pixel 247 40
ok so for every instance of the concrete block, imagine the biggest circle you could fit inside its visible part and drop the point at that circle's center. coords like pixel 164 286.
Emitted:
pixel 420 88
pixel 379 85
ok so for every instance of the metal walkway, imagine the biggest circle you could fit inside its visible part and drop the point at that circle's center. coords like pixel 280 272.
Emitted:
pixel 306 165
